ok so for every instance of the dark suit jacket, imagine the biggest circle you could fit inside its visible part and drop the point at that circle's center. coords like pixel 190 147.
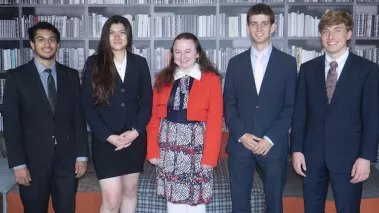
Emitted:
pixel 31 127
pixel 129 107
pixel 267 114
pixel 347 128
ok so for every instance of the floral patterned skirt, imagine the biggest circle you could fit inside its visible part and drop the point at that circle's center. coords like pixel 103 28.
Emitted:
pixel 180 178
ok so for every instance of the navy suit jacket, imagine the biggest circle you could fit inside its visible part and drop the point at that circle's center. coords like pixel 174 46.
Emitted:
pixel 268 114
pixel 129 107
pixel 345 129
pixel 31 127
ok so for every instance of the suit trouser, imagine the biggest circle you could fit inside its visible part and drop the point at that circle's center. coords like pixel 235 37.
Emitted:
pixel 241 174
pixel 60 182
pixel 347 196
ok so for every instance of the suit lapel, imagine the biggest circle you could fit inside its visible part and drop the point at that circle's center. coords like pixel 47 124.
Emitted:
pixel 60 84
pixel 343 79
pixel 36 84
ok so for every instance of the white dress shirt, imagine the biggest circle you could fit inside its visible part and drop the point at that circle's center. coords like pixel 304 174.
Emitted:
pixel 121 67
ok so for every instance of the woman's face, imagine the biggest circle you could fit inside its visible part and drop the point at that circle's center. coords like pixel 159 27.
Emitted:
pixel 117 37
pixel 185 53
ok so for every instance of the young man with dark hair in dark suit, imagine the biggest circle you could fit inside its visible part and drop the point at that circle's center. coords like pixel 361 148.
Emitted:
pixel 44 129
pixel 259 95
pixel 335 122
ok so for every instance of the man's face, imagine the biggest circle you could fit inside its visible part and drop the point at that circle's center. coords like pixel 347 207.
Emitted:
pixel 334 39
pixel 260 28
pixel 45 44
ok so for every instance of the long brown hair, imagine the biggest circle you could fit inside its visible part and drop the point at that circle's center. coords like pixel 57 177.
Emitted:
pixel 104 71
pixel 166 76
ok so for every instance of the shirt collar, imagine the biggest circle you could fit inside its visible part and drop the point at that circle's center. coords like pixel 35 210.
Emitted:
pixel 123 61
pixel 340 61
pixel 194 73
pixel 40 67
pixel 266 52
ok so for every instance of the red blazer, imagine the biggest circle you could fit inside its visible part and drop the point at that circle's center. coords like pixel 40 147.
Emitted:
pixel 204 104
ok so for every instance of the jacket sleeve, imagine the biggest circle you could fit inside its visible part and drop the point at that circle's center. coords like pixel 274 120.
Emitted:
pixel 145 99
pixel 232 119
pixel 280 126
pixel 12 123
pixel 152 130
pixel 213 132
pixel 299 118
pixel 80 128
pixel 369 146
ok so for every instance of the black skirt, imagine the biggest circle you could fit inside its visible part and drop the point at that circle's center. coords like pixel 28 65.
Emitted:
pixel 110 163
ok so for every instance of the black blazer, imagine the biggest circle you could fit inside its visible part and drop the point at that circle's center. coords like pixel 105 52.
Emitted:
pixel 31 127
pixel 345 129
pixel 269 113
pixel 129 107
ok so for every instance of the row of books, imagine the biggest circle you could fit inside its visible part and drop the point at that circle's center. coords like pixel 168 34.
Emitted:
pixel 235 26
pixel 301 25
pixel 140 25
pixel 53 1
pixel 366 25
pixel 316 1
pixel 118 1
pixel 9 28
pixel 67 26
pixel 185 1
pixel 170 25
pixel 9 59
pixel 1 129
pixel 250 1
pixel 2 85
pixel 371 54
pixel 9 2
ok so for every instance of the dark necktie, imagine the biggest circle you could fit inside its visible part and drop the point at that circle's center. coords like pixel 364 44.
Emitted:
pixel 331 80
pixel 51 90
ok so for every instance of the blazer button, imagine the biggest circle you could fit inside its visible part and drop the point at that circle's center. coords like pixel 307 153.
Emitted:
pixel 257 107
pixel 122 105
pixel 54 118
pixel 122 90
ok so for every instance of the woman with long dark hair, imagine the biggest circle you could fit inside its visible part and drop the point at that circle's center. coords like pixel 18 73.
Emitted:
pixel 116 100
pixel 184 133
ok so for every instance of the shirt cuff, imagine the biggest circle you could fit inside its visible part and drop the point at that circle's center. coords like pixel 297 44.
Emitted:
pixel 269 140
pixel 81 159
pixel 19 167
pixel 136 131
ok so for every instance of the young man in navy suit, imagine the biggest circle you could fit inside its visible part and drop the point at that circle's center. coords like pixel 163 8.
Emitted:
pixel 259 95
pixel 44 128
pixel 335 123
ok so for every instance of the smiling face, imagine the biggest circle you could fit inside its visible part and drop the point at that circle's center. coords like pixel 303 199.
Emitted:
pixel 45 45
pixel 260 29
pixel 185 54
pixel 334 40
pixel 118 37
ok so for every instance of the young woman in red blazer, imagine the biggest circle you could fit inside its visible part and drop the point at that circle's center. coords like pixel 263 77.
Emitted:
pixel 184 133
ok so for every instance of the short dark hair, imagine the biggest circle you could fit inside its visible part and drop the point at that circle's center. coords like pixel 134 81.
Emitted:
pixel 43 26
pixel 261 8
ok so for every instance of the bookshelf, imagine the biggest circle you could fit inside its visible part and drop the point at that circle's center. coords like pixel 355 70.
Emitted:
pixel 219 24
